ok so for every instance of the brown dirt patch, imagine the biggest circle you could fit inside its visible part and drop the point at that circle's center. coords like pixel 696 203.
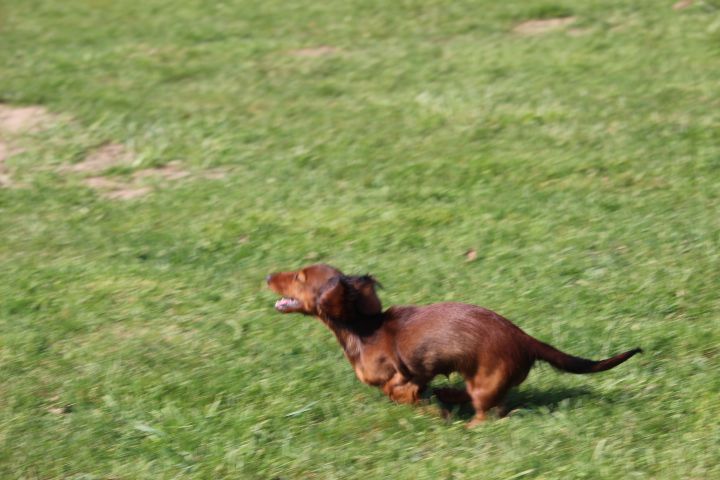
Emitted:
pixel 682 4
pixel 23 119
pixel 116 190
pixel 578 32
pixel 4 176
pixel 174 171
pixel 540 26
pixel 15 121
pixel 216 174
pixel 139 183
pixel 103 183
pixel 107 156
pixel 104 157
pixel 135 187
pixel 319 51
pixel 5 152
pixel 170 171
pixel 128 193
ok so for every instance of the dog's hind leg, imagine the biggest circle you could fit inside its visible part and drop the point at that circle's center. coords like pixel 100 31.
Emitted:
pixel 486 390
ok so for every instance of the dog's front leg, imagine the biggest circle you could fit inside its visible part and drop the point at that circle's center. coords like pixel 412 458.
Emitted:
pixel 402 390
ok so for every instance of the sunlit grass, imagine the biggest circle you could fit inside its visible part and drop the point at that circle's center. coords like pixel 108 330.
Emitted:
pixel 137 339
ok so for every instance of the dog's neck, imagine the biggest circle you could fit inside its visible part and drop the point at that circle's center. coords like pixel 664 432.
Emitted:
pixel 352 336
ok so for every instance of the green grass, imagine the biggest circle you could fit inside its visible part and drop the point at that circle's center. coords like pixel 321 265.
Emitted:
pixel 583 168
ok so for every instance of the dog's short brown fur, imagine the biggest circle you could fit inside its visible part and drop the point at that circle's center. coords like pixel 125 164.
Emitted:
pixel 404 347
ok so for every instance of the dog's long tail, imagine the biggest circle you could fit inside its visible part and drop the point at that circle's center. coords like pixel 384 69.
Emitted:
pixel 572 364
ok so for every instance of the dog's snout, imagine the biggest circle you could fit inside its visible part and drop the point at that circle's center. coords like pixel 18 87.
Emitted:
pixel 268 278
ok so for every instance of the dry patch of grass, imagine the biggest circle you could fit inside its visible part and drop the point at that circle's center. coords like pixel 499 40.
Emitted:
pixel 126 190
pixel 136 186
pixel 116 190
pixel 540 26
pixel 5 180
pixel 682 4
pixel 112 155
pixel 578 32
pixel 170 171
pixel 16 121
pixel 107 156
pixel 580 185
pixel 319 51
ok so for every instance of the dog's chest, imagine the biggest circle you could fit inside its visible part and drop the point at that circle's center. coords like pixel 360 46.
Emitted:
pixel 373 366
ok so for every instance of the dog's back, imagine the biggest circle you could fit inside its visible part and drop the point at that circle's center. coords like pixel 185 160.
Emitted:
pixel 449 336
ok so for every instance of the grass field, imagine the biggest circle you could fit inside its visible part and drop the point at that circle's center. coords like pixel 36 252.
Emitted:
pixel 158 159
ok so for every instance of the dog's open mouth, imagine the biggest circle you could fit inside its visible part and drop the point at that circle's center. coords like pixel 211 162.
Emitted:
pixel 286 304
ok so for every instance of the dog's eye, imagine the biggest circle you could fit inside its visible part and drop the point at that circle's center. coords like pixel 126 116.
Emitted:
pixel 299 276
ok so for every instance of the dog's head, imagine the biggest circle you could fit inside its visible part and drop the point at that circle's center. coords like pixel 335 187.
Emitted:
pixel 326 292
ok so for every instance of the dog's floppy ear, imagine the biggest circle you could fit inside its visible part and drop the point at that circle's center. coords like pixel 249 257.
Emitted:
pixel 332 299
pixel 348 299
pixel 365 299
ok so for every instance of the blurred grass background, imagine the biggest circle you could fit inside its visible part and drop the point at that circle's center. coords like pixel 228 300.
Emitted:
pixel 581 164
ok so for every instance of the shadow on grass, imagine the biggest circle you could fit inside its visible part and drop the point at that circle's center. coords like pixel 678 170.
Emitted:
pixel 529 400
pixel 534 399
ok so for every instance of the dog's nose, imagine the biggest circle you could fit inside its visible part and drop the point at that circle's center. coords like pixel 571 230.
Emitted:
pixel 268 278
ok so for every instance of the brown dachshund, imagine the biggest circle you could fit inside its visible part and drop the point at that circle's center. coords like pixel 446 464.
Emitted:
pixel 403 348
